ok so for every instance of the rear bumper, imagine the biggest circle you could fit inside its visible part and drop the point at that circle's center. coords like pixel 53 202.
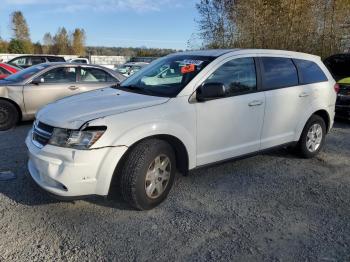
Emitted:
pixel 70 173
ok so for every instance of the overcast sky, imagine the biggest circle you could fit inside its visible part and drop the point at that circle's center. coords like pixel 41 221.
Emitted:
pixel 151 23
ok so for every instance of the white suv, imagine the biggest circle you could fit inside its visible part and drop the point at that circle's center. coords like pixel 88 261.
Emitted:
pixel 183 111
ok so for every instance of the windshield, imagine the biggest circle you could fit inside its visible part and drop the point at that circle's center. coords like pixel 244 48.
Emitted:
pixel 26 73
pixel 166 76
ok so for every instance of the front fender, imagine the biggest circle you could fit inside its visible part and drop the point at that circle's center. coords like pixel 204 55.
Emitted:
pixel 4 92
pixel 135 134
pixel 14 94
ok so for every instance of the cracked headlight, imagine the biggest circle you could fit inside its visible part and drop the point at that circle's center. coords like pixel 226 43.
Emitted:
pixel 77 139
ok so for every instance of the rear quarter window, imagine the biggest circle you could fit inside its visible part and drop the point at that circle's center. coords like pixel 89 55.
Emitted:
pixel 278 72
pixel 309 72
pixel 56 59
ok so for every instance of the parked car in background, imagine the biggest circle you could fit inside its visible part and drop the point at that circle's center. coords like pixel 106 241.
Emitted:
pixel 23 93
pixel 144 59
pixel 79 61
pixel 128 69
pixel 339 66
pixel 215 105
pixel 6 70
pixel 30 60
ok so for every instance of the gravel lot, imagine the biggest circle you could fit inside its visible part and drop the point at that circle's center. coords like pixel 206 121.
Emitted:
pixel 272 207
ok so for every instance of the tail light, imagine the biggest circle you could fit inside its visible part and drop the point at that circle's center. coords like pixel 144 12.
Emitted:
pixel 336 88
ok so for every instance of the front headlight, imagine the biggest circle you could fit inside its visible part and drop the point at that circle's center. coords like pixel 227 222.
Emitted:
pixel 75 138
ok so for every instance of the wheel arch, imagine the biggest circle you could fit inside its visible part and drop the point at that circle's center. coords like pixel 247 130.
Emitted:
pixel 181 155
pixel 180 150
pixel 20 114
pixel 325 116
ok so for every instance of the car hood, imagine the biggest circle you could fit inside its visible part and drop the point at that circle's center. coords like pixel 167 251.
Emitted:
pixel 72 112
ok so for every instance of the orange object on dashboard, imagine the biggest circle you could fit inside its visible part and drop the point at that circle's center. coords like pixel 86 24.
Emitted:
pixel 188 69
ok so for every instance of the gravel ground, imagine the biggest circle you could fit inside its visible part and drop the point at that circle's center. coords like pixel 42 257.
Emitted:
pixel 272 207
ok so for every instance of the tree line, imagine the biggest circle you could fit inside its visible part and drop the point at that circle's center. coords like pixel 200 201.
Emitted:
pixel 319 27
pixel 64 43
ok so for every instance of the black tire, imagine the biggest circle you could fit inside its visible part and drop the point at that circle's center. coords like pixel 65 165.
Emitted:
pixel 134 170
pixel 302 147
pixel 8 115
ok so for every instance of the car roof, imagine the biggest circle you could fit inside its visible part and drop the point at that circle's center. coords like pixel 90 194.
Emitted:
pixel 209 52
pixel 38 55
pixel 221 52
pixel 136 63
pixel 72 64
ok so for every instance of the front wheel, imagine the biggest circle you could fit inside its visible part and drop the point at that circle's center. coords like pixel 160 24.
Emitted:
pixel 148 174
pixel 8 115
pixel 313 137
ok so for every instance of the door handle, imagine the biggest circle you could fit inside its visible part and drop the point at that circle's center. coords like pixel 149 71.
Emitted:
pixel 256 103
pixel 304 94
pixel 73 88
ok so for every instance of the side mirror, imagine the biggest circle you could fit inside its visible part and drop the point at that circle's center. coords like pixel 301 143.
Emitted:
pixel 38 80
pixel 210 91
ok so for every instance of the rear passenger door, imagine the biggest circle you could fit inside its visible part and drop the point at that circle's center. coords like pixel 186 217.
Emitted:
pixel 286 100
pixel 94 78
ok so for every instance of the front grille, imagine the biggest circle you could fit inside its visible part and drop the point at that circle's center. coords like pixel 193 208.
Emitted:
pixel 41 134
pixel 45 127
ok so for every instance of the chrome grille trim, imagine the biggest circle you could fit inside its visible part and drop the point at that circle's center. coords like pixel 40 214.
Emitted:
pixel 40 137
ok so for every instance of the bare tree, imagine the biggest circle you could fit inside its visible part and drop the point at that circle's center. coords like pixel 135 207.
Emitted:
pixel 47 43
pixel 19 26
pixel 314 26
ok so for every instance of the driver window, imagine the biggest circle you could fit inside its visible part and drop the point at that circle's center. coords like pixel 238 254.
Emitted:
pixel 238 75
pixel 60 75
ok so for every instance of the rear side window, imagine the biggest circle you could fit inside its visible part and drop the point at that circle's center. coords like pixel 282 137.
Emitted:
pixel 37 60
pixel 278 72
pixel 309 72
pixel 55 59
pixel 95 75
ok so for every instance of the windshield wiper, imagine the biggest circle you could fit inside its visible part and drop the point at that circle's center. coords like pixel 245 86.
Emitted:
pixel 135 88
pixel 116 86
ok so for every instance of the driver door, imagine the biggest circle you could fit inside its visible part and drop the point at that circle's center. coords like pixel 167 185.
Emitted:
pixel 53 85
pixel 231 126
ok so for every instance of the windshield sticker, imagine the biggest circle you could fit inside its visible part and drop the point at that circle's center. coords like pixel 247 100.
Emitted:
pixel 192 62
pixel 188 69
pixel 40 67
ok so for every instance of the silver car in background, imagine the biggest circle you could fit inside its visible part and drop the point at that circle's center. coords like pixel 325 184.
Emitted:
pixel 23 93
pixel 130 68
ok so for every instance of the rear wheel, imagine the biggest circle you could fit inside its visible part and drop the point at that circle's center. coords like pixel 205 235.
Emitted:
pixel 313 137
pixel 8 115
pixel 148 174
